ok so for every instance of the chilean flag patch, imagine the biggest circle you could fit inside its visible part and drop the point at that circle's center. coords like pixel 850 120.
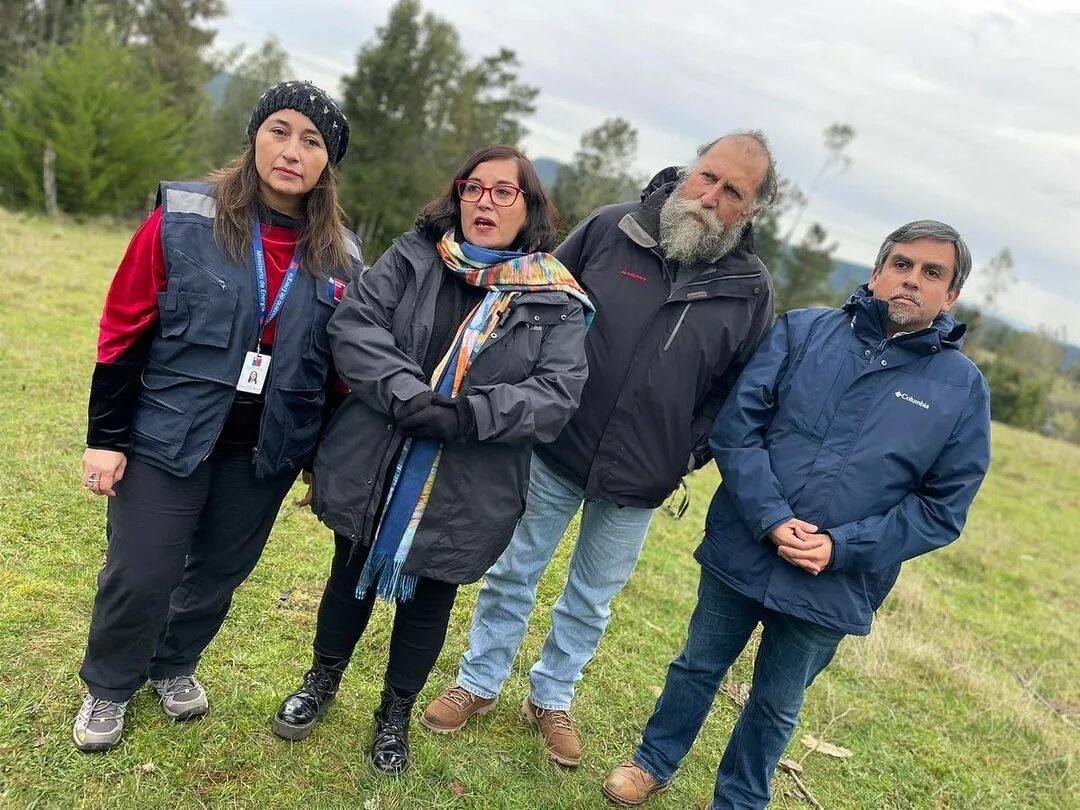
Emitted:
pixel 336 288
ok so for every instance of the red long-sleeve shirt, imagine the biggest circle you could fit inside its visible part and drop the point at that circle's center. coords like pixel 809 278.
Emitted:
pixel 131 306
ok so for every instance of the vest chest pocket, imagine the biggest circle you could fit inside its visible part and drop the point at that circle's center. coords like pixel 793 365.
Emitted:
pixel 197 317
pixel 198 306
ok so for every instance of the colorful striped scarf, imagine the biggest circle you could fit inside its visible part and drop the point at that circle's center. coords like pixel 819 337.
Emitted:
pixel 505 274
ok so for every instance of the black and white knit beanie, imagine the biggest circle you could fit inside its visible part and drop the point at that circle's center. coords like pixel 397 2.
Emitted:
pixel 306 98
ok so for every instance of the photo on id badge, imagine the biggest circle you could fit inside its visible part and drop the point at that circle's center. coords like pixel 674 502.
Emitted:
pixel 253 374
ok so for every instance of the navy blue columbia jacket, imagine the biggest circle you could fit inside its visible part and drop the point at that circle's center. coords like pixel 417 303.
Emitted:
pixel 881 443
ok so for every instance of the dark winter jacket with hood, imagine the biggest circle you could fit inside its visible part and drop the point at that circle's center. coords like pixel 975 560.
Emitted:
pixel 522 386
pixel 665 348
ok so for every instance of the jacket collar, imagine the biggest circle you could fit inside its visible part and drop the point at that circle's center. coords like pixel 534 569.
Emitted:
pixel 870 318
pixel 642 225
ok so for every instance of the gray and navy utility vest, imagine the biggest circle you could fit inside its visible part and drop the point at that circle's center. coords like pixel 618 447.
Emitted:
pixel 209 320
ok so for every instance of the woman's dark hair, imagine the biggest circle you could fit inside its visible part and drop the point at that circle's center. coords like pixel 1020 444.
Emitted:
pixel 541 219
pixel 237 196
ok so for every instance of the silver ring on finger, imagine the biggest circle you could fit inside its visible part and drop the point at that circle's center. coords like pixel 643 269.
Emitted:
pixel 92 481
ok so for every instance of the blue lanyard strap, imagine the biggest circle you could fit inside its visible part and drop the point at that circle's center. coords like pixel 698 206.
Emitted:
pixel 267 317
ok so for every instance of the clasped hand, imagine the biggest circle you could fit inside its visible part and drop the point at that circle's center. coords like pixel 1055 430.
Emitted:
pixel 433 416
pixel 801 544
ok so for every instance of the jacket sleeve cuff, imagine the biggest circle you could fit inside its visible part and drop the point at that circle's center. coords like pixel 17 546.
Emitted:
pixel 483 423
pixel 774 519
pixel 114 394
pixel 839 548
pixel 700 428
pixel 405 386
pixel 466 420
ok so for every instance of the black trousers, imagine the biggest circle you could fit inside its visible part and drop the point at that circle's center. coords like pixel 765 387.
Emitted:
pixel 419 623
pixel 177 549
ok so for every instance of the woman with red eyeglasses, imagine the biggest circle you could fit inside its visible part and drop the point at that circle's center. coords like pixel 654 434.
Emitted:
pixel 463 346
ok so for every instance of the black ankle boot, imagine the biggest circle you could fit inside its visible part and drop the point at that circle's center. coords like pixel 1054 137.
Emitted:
pixel 390 748
pixel 298 713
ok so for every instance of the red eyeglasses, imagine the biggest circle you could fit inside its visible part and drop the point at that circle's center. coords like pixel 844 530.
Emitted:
pixel 502 194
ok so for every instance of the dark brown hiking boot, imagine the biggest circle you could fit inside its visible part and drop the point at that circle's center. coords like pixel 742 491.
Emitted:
pixel 451 710
pixel 557 728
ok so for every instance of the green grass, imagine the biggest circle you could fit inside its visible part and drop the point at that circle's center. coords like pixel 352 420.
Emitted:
pixel 938 705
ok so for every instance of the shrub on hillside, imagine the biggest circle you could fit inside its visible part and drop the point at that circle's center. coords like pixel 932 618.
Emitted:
pixel 1017 397
pixel 107 118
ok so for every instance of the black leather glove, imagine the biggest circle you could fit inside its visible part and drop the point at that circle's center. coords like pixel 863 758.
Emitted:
pixel 445 419
pixel 402 410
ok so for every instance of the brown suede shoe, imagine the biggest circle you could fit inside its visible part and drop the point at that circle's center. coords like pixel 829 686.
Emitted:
pixel 628 785
pixel 556 727
pixel 451 710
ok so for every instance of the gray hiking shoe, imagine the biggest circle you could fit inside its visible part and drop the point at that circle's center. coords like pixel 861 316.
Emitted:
pixel 182 697
pixel 99 724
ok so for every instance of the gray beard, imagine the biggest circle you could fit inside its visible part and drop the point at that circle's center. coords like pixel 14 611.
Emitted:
pixel 905 316
pixel 687 240
pixel 901 317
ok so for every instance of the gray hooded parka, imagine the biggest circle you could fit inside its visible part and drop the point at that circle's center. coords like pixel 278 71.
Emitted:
pixel 524 386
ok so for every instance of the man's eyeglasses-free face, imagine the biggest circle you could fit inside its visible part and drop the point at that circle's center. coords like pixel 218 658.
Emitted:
pixel 502 194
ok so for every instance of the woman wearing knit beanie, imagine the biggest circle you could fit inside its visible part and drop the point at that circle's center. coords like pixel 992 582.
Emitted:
pixel 212 383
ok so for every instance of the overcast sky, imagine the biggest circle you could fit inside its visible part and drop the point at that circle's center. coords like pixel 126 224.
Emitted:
pixel 967 111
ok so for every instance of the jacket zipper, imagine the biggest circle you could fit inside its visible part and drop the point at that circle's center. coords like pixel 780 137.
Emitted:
pixel 678 324
pixel 204 270
pixel 262 418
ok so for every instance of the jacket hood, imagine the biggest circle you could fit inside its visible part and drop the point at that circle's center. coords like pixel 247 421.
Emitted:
pixel 660 179
pixel 416 246
pixel 945 329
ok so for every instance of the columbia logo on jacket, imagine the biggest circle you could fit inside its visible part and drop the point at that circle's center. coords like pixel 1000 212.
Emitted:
pixel 912 400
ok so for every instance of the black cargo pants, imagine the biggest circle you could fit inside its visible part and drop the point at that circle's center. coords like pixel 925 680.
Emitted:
pixel 177 549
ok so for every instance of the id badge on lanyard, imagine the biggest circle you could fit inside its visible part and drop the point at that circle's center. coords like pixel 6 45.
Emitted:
pixel 256 368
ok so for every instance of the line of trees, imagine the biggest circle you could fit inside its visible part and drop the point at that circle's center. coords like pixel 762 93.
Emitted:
pixel 1032 385
pixel 113 93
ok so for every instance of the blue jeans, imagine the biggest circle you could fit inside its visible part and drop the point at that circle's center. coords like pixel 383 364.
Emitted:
pixel 608 545
pixel 792 652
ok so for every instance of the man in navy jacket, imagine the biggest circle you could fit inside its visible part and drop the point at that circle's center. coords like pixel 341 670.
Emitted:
pixel 855 439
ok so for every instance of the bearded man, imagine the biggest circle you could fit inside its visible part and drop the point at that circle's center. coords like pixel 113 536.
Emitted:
pixel 682 303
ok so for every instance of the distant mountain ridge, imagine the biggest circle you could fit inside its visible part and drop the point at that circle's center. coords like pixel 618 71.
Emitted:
pixel 548 169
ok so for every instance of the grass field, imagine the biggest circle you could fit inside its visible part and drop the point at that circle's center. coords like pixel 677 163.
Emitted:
pixel 967 694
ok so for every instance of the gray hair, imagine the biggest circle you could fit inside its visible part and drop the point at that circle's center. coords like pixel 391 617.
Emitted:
pixel 767 191
pixel 929 229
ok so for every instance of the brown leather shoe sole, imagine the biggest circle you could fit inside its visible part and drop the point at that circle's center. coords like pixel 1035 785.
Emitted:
pixel 454 729
pixel 528 717
pixel 619 800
